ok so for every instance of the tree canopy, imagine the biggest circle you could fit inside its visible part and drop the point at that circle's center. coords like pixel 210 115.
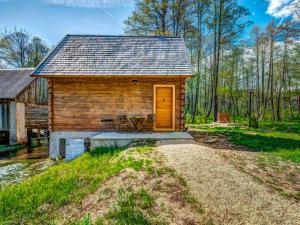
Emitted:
pixel 19 49
pixel 253 75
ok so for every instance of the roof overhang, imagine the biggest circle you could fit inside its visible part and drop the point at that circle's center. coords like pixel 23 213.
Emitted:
pixel 174 47
pixel 6 100
pixel 47 76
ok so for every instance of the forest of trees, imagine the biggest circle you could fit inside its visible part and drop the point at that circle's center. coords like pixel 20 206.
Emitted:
pixel 253 75
pixel 248 71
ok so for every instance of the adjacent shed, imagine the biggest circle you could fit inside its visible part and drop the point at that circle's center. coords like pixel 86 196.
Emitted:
pixel 23 104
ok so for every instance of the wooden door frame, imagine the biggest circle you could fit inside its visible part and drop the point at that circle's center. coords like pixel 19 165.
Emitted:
pixel 173 105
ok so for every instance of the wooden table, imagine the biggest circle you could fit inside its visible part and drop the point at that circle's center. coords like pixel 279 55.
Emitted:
pixel 137 123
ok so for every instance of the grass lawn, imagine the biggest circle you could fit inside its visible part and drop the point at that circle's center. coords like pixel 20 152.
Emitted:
pixel 37 199
pixel 104 186
pixel 280 139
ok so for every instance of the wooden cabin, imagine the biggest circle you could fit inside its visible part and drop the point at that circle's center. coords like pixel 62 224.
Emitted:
pixel 92 77
pixel 23 104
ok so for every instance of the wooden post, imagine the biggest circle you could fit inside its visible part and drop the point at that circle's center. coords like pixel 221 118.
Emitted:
pixel 182 103
pixel 62 147
pixel 29 140
pixel 38 136
pixel 48 137
pixel 50 104
pixel 87 144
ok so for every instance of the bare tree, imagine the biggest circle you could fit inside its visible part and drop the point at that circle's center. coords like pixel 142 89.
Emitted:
pixel 18 49
pixel 14 47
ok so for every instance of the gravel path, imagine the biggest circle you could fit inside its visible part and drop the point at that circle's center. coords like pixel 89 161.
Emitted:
pixel 228 195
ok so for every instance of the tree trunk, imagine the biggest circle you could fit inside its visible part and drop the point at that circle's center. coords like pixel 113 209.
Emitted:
pixel 217 38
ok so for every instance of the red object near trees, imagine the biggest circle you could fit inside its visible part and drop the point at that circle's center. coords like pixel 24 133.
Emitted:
pixel 223 117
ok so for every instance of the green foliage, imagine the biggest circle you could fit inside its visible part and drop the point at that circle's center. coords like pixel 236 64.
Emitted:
pixel 86 220
pixel 269 138
pixel 289 126
pixel 148 147
pixel 190 199
pixel 10 148
pixel 198 119
pixel 153 17
pixel 19 49
pixel 128 208
pixel 253 122
pixel 201 119
pixel 37 198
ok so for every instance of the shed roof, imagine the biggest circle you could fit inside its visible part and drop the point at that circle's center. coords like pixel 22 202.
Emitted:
pixel 98 55
pixel 14 81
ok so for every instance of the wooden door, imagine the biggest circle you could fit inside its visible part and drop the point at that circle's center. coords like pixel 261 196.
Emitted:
pixel 164 107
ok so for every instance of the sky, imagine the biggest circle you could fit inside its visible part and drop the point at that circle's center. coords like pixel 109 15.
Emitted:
pixel 52 19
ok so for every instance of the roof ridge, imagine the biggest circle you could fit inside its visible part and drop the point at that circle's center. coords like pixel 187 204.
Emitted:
pixel 139 36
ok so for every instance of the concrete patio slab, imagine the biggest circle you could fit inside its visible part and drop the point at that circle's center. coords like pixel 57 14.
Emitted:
pixel 106 139
pixel 143 136
pixel 123 139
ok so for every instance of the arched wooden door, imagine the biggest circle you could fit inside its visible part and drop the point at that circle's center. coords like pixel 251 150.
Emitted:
pixel 164 107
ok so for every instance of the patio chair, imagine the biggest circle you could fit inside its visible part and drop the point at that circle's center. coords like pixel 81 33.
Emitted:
pixel 149 125
pixel 107 124
pixel 123 123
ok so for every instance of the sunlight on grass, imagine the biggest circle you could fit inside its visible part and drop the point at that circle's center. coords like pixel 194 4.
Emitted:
pixel 272 139
pixel 293 155
pixel 128 209
pixel 37 198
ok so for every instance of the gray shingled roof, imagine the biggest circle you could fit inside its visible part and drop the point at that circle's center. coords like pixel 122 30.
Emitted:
pixel 117 55
pixel 14 81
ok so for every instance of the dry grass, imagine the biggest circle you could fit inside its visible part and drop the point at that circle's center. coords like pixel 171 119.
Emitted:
pixel 172 202
pixel 280 175
pixel 227 194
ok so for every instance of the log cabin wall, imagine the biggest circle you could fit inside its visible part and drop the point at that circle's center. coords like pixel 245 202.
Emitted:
pixel 35 93
pixel 35 97
pixel 36 116
pixel 78 104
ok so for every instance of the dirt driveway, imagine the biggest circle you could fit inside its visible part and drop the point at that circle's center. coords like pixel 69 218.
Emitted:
pixel 228 195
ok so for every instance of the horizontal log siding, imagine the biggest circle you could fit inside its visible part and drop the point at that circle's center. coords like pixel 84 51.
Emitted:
pixel 35 97
pixel 79 105
pixel 36 116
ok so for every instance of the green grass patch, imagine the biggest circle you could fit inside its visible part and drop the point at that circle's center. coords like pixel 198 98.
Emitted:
pixel 87 220
pixel 128 209
pixel 286 127
pixel 131 207
pixel 10 148
pixel 266 139
pixel 147 147
pixel 37 199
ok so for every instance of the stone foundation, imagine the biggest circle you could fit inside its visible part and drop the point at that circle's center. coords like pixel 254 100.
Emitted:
pixel 74 144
